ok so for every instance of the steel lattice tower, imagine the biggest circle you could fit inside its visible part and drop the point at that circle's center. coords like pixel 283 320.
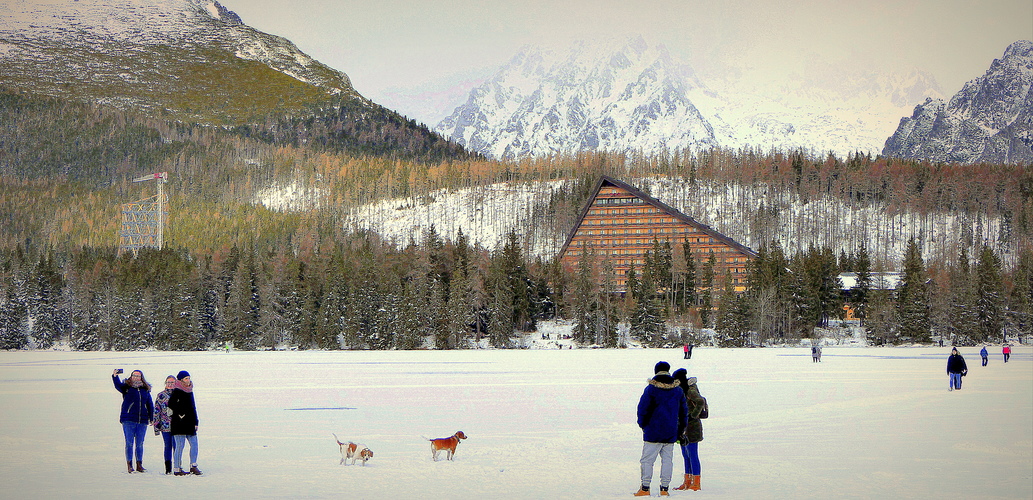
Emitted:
pixel 143 221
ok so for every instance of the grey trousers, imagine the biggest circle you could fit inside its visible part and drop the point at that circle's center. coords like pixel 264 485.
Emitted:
pixel 649 453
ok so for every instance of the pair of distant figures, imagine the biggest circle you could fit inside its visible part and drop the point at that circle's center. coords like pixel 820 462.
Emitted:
pixel 688 351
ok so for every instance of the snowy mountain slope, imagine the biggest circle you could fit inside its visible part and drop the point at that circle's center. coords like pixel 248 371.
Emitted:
pixel 592 97
pixel 989 120
pixel 191 58
pixel 636 96
pixel 487 214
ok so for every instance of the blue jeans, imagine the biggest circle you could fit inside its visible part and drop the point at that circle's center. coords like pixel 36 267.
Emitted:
pixel 134 434
pixel 690 453
pixel 170 444
pixel 178 452
pixel 955 381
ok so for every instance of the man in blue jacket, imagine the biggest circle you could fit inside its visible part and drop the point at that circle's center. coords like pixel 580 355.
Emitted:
pixel 662 415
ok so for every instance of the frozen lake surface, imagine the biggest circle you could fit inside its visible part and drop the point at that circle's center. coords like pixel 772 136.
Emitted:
pixel 864 423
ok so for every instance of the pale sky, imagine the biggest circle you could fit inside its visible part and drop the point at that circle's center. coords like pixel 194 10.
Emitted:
pixel 388 44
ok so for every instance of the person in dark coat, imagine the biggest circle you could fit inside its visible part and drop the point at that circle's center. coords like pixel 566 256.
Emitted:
pixel 135 415
pixel 693 433
pixel 183 422
pixel 956 368
pixel 662 416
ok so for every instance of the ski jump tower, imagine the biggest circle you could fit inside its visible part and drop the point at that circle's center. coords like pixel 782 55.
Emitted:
pixel 143 221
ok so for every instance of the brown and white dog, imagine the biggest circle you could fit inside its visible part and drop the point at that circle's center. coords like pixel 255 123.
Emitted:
pixel 449 444
pixel 352 451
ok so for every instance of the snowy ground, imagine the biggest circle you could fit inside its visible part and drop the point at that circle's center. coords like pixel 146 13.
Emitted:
pixel 864 423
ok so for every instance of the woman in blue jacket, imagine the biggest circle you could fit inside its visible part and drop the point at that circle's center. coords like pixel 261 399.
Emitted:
pixel 137 409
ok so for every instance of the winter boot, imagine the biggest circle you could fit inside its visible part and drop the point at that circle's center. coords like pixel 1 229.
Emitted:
pixel 179 472
pixel 168 467
pixel 194 470
pixel 663 492
pixel 139 467
pixel 687 484
pixel 642 492
pixel 695 483
pixel 129 465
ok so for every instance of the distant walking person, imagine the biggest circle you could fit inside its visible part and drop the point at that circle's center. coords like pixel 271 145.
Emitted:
pixel 983 354
pixel 693 432
pixel 816 354
pixel 956 369
pixel 135 416
pixel 1006 351
pixel 184 422
pixel 662 416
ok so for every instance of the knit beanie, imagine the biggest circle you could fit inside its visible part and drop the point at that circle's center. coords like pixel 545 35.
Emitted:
pixel 182 375
pixel 662 366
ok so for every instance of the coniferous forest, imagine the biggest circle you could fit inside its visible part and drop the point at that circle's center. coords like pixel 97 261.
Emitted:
pixel 237 272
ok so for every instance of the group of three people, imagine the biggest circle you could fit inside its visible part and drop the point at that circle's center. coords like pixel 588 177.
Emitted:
pixel 173 415
pixel 670 411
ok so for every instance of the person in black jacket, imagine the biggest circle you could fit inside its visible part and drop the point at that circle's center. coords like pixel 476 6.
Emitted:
pixel 956 368
pixel 135 415
pixel 184 422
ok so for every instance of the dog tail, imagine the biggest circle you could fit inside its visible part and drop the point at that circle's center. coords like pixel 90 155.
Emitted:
pixel 338 439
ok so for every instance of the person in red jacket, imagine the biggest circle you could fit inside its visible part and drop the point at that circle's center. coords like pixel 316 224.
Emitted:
pixel 1007 352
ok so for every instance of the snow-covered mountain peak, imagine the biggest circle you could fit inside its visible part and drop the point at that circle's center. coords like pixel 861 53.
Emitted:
pixel 618 96
pixel 632 95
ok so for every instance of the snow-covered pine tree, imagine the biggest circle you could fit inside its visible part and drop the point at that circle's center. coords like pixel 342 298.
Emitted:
pixel 585 299
pixel 706 294
pixel 646 322
pixel 989 296
pixel 912 299
pixel 608 314
pixel 1020 310
pixel 500 312
pixel 961 323
pixel 732 327
pixel 458 311
pixel 861 290
pixel 46 306
pixel 12 319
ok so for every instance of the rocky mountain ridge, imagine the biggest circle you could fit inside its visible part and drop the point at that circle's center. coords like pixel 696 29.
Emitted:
pixel 989 120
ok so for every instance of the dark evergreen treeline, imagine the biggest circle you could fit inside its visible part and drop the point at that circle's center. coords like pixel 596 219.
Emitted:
pixel 357 292
pixel 788 297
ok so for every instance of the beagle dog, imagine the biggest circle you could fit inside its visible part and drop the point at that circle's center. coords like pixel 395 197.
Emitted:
pixel 449 444
pixel 352 451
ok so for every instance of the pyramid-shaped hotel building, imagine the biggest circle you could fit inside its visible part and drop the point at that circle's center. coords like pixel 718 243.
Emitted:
pixel 621 222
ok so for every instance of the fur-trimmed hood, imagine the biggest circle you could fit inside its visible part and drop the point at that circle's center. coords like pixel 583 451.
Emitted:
pixel 664 380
